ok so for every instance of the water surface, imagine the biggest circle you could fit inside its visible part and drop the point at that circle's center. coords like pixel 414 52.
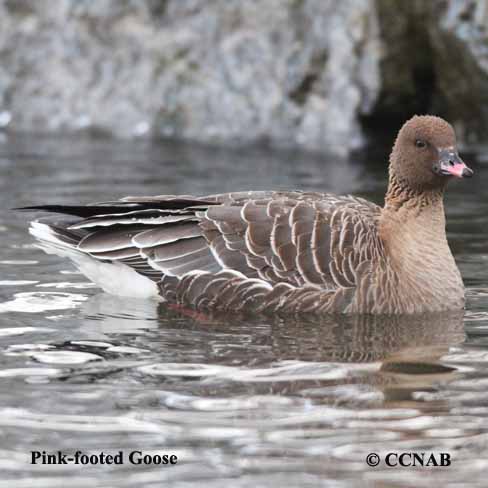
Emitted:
pixel 241 401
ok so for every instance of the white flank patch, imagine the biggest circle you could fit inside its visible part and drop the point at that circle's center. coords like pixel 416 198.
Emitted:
pixel 115 278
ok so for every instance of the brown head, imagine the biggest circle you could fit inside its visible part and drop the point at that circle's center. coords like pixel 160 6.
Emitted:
pixel 425 156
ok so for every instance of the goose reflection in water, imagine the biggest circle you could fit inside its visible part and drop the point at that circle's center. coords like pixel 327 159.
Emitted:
pixel 299 355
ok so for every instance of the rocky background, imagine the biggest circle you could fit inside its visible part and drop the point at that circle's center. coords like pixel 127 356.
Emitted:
pixel 319 74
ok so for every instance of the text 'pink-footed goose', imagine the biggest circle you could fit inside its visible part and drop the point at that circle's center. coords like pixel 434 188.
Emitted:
pixel 280 251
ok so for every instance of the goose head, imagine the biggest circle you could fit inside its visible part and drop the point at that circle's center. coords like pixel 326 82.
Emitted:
pixel 425 155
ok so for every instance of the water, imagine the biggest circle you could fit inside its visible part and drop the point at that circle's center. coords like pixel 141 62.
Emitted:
pixel 240 402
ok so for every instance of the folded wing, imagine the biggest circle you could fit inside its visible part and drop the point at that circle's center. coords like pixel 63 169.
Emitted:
pixel 297 239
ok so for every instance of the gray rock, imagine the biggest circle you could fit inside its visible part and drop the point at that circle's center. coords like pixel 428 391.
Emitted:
pixel 292 72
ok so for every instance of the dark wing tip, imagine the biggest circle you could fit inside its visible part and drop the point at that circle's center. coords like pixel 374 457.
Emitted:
pixel 91 210
pixel 27 209
pixel 66 209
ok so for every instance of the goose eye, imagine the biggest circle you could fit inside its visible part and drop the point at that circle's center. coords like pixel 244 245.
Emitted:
pixel 420 144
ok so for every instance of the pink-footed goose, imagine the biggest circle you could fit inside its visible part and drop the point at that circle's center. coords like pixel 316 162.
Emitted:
pixel 281 251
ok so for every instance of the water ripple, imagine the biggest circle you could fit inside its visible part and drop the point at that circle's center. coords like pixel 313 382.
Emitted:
pixel 67 284
pixel 27 419
pixel 29 372
pixel 17 282
pixel 64 357
pixel 37 302
pixel 15 331
pixel 280 372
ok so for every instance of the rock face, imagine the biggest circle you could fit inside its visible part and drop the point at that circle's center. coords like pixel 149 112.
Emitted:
pixel 292 72
pixel 406 64
pixel 459 37
pixel 435 59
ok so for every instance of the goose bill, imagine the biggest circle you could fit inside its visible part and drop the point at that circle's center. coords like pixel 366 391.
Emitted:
pixel 450 164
